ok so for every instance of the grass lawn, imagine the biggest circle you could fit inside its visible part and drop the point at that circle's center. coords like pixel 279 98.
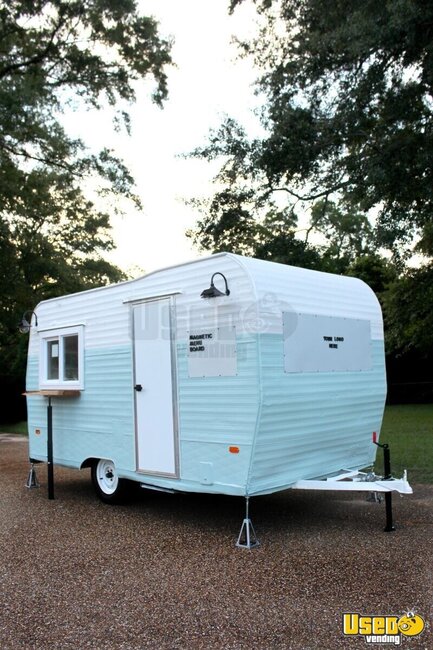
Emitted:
pixel 408 429
pixel 18 427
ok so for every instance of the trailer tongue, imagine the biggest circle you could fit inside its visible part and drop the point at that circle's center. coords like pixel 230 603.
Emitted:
pixel 362 482
pixel 357 482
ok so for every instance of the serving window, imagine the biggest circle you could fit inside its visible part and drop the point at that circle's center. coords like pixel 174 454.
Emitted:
pixel 61 358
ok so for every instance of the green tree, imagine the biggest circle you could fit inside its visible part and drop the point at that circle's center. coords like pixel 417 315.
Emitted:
pixel 347 90
pixel 408 307
pixel 230 224
pixel 347 234
pixel 56 197
pixel 380 274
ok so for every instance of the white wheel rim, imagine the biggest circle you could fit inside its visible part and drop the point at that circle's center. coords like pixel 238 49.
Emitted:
pixel 106 476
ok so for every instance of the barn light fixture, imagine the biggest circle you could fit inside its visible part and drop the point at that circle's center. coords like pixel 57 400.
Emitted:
pixel 213 292
pixel 25 325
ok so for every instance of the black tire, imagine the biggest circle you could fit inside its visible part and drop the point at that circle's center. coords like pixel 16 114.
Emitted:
pixel 108 486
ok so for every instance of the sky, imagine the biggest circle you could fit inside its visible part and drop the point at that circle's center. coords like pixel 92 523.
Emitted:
pixel 207 83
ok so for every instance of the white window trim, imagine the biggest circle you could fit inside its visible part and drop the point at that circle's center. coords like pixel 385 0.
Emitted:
pixel 58 334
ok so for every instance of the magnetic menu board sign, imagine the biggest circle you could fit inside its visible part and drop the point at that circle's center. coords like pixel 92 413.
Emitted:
pixel 212 352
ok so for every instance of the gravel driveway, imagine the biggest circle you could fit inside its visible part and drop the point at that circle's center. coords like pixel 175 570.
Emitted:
pixel 164 572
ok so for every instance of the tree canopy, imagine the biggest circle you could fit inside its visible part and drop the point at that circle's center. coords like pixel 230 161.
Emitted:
pixel 56 197
pixel 348 101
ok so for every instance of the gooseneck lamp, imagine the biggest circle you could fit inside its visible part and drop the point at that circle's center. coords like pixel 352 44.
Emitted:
pixel 213 292
pixel 25 325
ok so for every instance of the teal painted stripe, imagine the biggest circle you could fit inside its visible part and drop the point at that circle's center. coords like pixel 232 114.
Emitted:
pixel 221 466
pixel 216 413
pixel 312 424
pixel 220 409
pixel 309 424
pixel 99 423
pixel 213 414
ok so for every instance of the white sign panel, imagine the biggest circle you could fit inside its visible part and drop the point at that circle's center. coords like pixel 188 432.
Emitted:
pixel 212 352
pixel 314 343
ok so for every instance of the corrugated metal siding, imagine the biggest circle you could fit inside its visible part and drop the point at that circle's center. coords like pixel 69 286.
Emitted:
pixel 313 424
pixel 97 424
pixel 216 413
pixel 288 288
pixel 106 317
pixel 309 424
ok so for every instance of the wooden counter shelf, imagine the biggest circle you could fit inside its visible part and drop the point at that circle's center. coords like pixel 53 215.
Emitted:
pixel 54 393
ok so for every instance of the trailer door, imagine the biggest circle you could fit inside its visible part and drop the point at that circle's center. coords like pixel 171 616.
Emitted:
pixel 155 388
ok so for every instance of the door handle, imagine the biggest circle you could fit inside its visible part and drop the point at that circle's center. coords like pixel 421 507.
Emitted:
pixel 138 387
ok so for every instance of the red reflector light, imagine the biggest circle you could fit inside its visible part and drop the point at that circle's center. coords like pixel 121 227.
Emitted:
pixel 234 450
pixel 374 437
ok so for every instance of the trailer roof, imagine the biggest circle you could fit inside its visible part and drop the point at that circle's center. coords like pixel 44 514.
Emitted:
pixel 140 277
pixel 252 266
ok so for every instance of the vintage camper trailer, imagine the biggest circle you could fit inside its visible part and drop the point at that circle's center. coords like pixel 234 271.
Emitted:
pixel 223 375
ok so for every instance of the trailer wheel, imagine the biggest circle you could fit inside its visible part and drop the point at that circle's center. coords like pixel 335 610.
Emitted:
pixel 108 486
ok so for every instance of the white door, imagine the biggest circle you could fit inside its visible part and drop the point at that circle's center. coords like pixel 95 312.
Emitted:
pixel 155 388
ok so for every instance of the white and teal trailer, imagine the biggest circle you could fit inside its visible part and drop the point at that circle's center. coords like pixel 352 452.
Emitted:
pixel 273 378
